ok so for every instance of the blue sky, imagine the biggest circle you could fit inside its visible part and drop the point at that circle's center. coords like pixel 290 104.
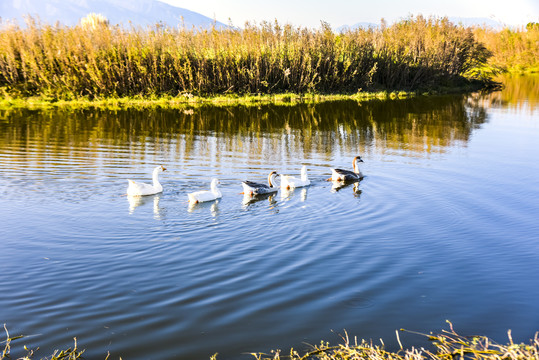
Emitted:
pixel 348 12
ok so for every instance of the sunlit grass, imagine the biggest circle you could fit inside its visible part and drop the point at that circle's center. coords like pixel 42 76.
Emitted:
pixel 513 50
pixel 61 63
pixel 447 345
pixel 184 101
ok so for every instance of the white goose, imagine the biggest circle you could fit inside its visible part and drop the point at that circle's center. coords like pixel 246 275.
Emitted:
pixel 139 189
pixel 253 188
pixel 205 195
pixel 347 175
pixel 290 182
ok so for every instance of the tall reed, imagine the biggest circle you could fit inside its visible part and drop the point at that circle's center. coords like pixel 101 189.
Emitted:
pixel 103 60
pixel 512 49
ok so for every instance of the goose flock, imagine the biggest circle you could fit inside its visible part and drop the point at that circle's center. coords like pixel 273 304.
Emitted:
pixel 250 188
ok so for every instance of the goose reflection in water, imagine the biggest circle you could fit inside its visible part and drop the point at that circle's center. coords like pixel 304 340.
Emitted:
pixel 338 186
pixel 136 201
pixel 286 194
pixel 213 207
pixel 252 199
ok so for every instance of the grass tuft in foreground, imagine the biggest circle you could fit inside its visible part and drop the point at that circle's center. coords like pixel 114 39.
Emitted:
pixel 68 354
pixel 448 345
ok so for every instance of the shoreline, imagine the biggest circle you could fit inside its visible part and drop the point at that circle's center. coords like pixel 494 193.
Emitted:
pixel 186 101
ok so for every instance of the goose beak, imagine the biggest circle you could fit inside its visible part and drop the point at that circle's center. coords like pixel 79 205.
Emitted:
pixel 164 168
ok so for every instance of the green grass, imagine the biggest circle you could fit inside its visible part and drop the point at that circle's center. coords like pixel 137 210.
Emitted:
pixel 190 101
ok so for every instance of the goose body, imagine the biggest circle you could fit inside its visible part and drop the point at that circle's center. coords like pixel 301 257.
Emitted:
pixel 290 182
pixel 253 188
pixel 347 175
pixel 202 196
pixel 135 188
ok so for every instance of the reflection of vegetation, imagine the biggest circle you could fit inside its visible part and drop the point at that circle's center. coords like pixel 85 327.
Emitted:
pixel 520 92
pixel 58 62
pixel 413 125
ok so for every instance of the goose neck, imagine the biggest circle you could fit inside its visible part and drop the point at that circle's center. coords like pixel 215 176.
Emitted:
pixel 155 177
pixel 304 174
pixel 271 180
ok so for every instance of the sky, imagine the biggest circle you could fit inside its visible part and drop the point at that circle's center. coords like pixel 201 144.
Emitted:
pixel 309 13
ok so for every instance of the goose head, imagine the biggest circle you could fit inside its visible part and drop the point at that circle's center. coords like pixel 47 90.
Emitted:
pixel 159 169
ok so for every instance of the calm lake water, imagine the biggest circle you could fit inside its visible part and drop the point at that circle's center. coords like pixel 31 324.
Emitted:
pixel 445 226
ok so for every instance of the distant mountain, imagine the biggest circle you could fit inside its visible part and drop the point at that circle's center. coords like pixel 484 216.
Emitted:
pixel 466 22
pixel 364 25
pixel 125 12
pixel 477 21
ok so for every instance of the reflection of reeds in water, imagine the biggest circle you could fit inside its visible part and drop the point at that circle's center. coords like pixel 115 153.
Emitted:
pixel 267 133
pixel 520 93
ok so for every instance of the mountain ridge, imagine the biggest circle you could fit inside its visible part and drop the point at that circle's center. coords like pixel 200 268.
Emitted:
pixel 123 12
pixel 147 13
pixel 464 21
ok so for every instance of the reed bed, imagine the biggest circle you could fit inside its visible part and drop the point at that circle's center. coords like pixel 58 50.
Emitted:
pixel 514 50
pixel 101 60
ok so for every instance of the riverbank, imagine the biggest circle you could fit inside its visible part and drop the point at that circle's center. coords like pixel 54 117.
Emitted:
pixel 188 101
pixel 109 62
pixel 446 345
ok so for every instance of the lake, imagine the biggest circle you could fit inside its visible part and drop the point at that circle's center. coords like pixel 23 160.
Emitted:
pixel 444 226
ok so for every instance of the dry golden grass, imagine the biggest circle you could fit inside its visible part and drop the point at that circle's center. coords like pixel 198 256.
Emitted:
pixel 514 50
pixel 448 345
pixel 59 62
pixel 445 346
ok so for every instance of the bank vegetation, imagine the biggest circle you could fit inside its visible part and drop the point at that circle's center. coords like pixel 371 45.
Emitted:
pixel 514 50
pixel 104 61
